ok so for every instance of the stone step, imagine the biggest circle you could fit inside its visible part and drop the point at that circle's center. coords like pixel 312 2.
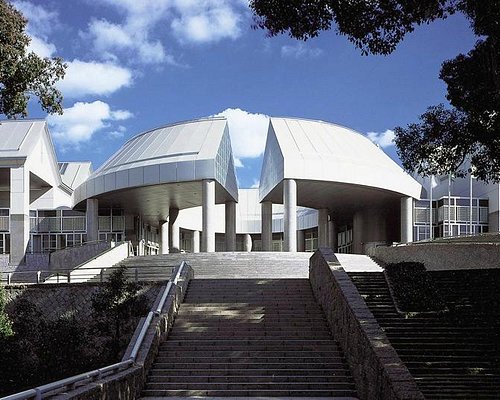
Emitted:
pixel 247 336
pixel 236 365
pixel 250 386
pixel 294 361
pixel 236 352
pixel 237 330
pixel 245 371
pixel 250 325
pixel 253 392
pixel 250 345
pixel 247 379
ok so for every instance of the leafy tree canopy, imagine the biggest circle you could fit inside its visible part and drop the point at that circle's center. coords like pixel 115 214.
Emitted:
pixel 23 74
pixel 445 136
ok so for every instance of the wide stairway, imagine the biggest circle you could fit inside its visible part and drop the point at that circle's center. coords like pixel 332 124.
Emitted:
pixel 452 355
pixel 250 337
pixel 221 265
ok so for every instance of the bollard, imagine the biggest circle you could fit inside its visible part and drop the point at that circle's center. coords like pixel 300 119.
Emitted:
pixel 9 277
pixel 101 275
pixel 69 277
pixel 38 276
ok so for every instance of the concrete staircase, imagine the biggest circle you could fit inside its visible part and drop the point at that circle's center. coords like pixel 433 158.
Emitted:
pixel 249 337
pixel 449 358
pixel 225 265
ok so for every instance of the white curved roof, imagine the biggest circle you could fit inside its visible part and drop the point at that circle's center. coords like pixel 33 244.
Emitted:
pixel 319 151
pixel 182 152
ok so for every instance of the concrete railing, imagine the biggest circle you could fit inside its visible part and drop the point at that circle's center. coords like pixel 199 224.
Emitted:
pixel 377 370
pixel 124 380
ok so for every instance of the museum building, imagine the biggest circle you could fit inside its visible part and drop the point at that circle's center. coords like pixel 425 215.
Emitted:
pixel 174 188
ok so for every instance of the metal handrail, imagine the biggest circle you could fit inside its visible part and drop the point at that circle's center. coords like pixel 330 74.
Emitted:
pixel 39 391
pixel 62 274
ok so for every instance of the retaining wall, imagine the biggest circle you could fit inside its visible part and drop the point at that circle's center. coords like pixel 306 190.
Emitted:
pixel 377 370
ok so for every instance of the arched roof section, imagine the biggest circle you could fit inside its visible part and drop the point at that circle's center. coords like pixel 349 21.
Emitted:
pixel 174 154
pixel 309 150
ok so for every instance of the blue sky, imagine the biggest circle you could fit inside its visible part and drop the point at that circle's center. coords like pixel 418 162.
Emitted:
pixel 135 65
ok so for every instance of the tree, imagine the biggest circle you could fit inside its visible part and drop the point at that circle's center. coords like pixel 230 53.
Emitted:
pixel 115 304
pixel 5 322
pixel 445 137
pixel 23 74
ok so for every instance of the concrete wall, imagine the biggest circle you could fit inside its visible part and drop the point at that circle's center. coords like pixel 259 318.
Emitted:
pixel 377 370
pixel 88 269
pixel 442 256
pixel 71 257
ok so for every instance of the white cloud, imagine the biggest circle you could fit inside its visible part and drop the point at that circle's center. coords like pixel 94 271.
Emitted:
pixel 255 184
pixel 238 163
pixel 383 139
pixel 41 21
pixel 93 78
pixel 209 21
pixel 108 35
pixel 248 132
pixel 300 50
pixel 41 48
pixel 118 133
pixel 133 34
pixel 82 120
pixel 191 21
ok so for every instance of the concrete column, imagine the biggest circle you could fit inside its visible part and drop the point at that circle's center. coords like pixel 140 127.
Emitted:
pixel 92 215
pixel 208 216
pixel 267 226
pixel 19 213
pixel 164 248
pixel 332 235
pixel 301 244
pixel 196 241
pixel 230 226
pixel 323 227
pixel 406 219
pixel 176 237
pixel 290 216
pixel 248 243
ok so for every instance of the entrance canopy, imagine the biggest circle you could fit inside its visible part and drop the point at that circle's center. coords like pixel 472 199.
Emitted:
pixel 334 167
pixel 164 168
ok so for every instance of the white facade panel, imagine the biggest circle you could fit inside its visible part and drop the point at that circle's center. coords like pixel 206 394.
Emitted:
pixel 152 175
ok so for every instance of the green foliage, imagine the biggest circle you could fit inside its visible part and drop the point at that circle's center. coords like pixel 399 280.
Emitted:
pixel 22 74
pixel 43 350
pixel 115 306
pixel 375 27
pixel 413 288
pixel 5 322
pixel 444 137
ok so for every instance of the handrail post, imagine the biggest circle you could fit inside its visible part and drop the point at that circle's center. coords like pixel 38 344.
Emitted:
pixel 101 275
pixel 9 277
pixel 69 277
pixel 38 276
